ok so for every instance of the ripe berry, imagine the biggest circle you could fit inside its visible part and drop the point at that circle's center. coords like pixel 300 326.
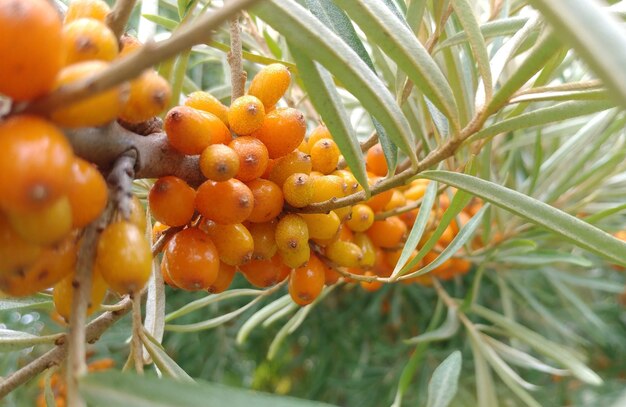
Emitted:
pixel 282 131
pixel 206 102
pixel 225 276
pixel 87 39
pixel 416 190
pixel 345 254
pixel 325 156
pixel 219 162
pixel 246 115
pixel 307 282
pixel 361 218
pixel 370 286
pixel 380 200
pixel 88 193
pixel 295 258
pixel 234 242
pixel 322 225
pixel 252 155
pixel 137 214
pixel 63 294
pixel 298 190
pixel 388 232
pixel 45 226
pixel 165 273
pixel 35 163
pixel 292 233
pixel 192 260
pixel 124 257
pixel 375 161
pixel 15 252
pixel 264 237
pixel 265 273
pixel 351 183
pixel 149 95
pixel 292 163
pixel 31 48
pixel 190 131
pixel 96 9
pixel 129 44
pixel 319 133
pixel 172 201
pixel 268 200
pixel 234 205
pixel 328 187
pixel 95 110
pixel 270 84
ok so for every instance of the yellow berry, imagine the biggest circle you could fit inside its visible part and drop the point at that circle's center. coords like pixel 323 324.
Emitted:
pixel 246 115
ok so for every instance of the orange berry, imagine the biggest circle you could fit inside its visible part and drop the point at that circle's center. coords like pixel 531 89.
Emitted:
pixel 206 102
pixel 137 214
pixel 397 200
pixel 192 260
pixel 375 160
pixel 416 190
pixel 361 218
pixel 225 276
pixel 35 163
pixel 321 225
pixel 370 286
pixel 367 248
pixel 95 110
pixel 15 252
pixel 263 235
pixel 319 133
pixel 252 155
pixel 225 202
pixel 270 84
pixel 327 187
pixel 382 268
pixel 167 279
pixel 307 282
pixel 87 39
pixel 234 242
pixel 149 95
pixel 268 200
pixel 295 258
pixel 124 257
pixel 130 44
pixel 388 232
pixel 380 200
pixel 331 276
pixel 351 183
pixel 172 201
pixel 88 193
pixel 219 162
pixel 282 131
pixel 344 254
pixel 45 226
pixel 265 273
pixel 298 190
pixel 292 233
pixel 325 156
pixel 284 167
pixel 63 294
pixel 190 131
pixel 246 115
pixel 96 9
pixel 31 48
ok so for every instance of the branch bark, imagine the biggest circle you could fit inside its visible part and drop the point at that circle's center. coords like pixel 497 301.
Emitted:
pixel 118 17
pixel 237 75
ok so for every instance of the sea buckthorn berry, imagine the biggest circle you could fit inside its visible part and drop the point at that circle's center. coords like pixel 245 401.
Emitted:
pixel 63 294
pixel 361 218
pixel 331 276
pixel 50 267
pixel 344 212
pixel 165 273
pixel 124 257
pixel 397 200
pixel 234 242
pixel 31 48
pixel 307 282
pixel 158 229
pixel 282 131
pixel 265 273
pixel 252 155
pixel 416 190
pixel 370 286
pixel 129 44
pixel 319 133
pixel 292 233
pixel 270 84
pixel 96 110
pixel 295 258
pixel 328 187
pixel 96 9
pixel 345 233
pixel 325 156
pixel 378 201
pixel 344 254
pixel 190 131
pixel 172 201
pixel 87 39
pixel 292 163
pixel 246 115
pixel 298 190
pixel 219 162
pixel 322 225
pixel 45 226
pixel 367 248
pixel 388 232
pixel 382 267
pixel 225 276
pixel 268 200
pixel 446 237
pixel 15 252
pixel 87 193
pixel 264 237
pixel 304 147
pixel 192 260
pixel 375 161
pixel 351 183
pixel 206 102
pixel 137 214
pixel 35 163
pixel 225 202
pixel 442 271
pixel 149 95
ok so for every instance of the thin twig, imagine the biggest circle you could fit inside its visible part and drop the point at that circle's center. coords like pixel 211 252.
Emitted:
pixel 237 74
pixel 137 345
pixel 119 15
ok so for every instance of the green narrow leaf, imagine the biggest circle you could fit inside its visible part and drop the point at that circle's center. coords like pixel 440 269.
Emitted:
pixel 162 360
pixel 397 41
pixel 210 299
pixel 485 388
pixel 444 382
pixel 130 390
pixel 546 115
pixel 497 28
pixel 522 359
pixel 38 301
pixel 11 340
pixel 260 316
pixel 463 9
pixel 324 96
pixel 322 45
pixel 164 22
pixel 445 331
pixel 597 36
pixel 571 228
